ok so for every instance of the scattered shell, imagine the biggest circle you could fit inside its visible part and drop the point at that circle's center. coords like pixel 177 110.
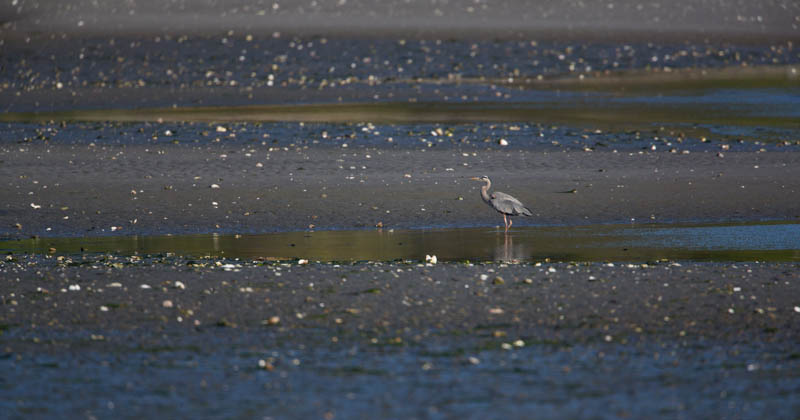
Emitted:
pixel 166 303
pixel 431 259
pixel 145 286
pixel 74 287
pixel 302 261
pixel 180 285
pixel 496 311
pixel 502 142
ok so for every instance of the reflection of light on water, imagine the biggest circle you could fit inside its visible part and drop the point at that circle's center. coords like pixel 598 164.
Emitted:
pixel 735 242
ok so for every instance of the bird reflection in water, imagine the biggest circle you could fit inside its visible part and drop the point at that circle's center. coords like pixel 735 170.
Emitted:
pixel 507 252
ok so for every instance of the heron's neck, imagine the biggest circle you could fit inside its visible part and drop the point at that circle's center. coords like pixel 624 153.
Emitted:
pixel 485 191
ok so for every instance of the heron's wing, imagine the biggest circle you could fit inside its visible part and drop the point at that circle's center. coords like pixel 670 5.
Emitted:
pixel 507 204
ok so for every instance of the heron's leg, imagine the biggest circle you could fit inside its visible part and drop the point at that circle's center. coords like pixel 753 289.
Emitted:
pixel 505 222
pixel 510 221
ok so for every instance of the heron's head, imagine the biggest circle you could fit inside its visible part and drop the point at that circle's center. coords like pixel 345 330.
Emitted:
pixel 483 178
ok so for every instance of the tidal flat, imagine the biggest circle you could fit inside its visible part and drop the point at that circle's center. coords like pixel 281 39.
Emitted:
pixel 201 337
pixel 282 225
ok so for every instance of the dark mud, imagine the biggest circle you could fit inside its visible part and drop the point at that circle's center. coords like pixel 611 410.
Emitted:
pixel 250 185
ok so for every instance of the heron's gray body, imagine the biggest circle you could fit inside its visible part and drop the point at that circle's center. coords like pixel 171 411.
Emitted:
pixel 502 202
pixel 505 203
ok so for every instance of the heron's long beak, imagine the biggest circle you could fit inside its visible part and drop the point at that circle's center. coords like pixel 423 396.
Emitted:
pixel 475 178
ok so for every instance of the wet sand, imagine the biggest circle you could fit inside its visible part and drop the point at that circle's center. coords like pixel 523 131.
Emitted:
pixel 102 189
pixel 618 20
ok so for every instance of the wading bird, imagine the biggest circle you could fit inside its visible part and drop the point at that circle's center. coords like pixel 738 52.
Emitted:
pixel 505 204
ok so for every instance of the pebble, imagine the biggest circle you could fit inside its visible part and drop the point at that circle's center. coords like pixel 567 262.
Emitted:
pixel 166 303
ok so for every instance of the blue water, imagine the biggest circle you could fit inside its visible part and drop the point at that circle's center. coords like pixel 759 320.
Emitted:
pixel 739 237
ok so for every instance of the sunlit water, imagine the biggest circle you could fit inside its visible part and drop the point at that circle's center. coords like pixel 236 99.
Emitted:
pixel 734 242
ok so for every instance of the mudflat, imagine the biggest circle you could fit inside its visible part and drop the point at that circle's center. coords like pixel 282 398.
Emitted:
pixel 165 188
pixel 119 133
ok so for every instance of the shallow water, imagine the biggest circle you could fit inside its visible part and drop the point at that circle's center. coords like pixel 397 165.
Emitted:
pixel 189 377
pixel 731 242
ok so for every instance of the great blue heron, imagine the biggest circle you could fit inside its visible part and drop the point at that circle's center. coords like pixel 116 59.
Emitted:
pixel 502 202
